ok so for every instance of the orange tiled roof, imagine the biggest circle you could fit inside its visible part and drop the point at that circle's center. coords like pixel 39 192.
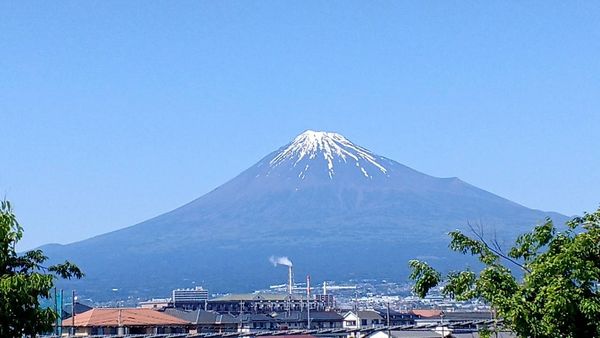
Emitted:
pixel 427 313
pixel 103 317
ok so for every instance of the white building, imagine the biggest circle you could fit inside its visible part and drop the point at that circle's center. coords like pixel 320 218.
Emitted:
pixel 190 298
pixel 363 319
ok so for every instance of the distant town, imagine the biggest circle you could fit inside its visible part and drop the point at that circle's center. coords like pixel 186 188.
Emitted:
pixel 354 308
pixel 351 294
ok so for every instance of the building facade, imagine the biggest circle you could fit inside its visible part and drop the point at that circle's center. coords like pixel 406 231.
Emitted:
pixel 192 299
pixel 262 303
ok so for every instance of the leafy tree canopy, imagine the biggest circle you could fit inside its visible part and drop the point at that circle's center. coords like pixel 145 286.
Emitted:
pixel 557 295
pixel 24 281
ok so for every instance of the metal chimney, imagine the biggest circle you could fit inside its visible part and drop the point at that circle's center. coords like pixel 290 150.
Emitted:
pixel 290 280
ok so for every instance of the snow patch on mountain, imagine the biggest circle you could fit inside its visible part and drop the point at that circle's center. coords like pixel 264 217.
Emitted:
pixel 332 147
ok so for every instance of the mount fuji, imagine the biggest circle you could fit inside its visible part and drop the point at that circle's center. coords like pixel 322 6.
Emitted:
pixel 338 210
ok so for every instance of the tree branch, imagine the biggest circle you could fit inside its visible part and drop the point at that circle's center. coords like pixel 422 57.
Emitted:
pixel 496 251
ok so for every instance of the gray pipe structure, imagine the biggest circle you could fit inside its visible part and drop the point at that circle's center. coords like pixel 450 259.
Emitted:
pixel 290 279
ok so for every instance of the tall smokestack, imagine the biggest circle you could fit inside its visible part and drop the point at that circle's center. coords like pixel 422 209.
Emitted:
pixel 286 262
pixel 290 279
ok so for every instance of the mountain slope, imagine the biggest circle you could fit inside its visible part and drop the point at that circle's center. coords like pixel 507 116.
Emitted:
pixel 337 209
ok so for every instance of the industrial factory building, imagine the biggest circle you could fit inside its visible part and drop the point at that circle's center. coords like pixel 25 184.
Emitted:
pixel 263 303
pixel 296 320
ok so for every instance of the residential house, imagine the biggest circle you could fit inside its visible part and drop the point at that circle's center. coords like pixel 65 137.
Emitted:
pixel 255 322
pixel 453 317
pixel 318 320
pixel 363 319
pixel 396 317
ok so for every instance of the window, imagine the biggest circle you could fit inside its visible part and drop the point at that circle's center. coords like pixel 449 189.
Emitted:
pixel 363 322
pixel 351 323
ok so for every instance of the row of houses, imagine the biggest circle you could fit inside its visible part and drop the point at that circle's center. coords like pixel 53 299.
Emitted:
pixel 123 321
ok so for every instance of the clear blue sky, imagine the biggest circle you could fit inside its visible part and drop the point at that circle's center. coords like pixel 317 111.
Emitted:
pixel 114 112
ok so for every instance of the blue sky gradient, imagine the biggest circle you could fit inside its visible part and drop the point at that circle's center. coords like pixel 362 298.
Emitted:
pixel 114 112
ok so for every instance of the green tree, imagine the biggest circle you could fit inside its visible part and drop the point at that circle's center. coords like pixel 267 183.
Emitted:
pixel 24 281
pixel 556 293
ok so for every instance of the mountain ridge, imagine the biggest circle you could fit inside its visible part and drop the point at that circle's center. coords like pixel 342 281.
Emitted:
pixel 300 201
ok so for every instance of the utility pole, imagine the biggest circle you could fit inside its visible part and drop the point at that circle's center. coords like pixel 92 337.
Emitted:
pixel 56 311
pixel 388 321
pixel 60 314
pixel 73 312
pixel 120 327
pixel 495 321
pixel 442 324
pixel 308 299
pixel 241 315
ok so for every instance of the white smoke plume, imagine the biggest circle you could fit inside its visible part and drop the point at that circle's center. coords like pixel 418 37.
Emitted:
pixel 280 261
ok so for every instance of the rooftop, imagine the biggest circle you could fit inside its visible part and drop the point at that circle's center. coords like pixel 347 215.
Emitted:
pixel 107 317
pixel 201 316
pixel 255 297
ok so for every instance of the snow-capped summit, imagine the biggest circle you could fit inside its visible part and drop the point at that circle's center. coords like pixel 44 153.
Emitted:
pixel 332 148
